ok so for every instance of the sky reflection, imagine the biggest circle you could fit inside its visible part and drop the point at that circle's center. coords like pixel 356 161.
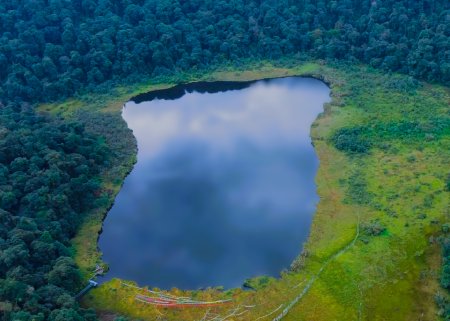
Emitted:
pixel 223 188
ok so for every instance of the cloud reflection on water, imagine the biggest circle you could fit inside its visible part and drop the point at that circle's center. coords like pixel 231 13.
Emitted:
pixel 223 188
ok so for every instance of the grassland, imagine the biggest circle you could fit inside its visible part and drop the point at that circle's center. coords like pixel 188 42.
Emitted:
pixel 399 184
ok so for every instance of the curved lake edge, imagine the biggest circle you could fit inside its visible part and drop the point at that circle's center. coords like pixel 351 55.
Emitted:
pixel 354 88
pixel 178 90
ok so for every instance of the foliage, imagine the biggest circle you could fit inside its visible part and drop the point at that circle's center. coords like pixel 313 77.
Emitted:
pixel 359 139
pixel 443 299
pixel 373 228
pixel 52 50
pixel 357 191
pixel 351 140
pixel 445 271
pixel 444 306
pixel 48 171
pixel 257 283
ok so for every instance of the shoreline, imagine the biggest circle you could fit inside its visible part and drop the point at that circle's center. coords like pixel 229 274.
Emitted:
pixel 130 166
pixel 349 286
pixel 211 87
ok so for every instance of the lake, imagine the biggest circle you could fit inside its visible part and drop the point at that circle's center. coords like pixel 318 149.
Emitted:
pixel 223 188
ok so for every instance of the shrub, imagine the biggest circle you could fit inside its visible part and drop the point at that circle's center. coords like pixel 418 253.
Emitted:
pixel 374 228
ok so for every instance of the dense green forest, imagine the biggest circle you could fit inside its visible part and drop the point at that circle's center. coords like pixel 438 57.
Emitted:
pixel 54 49
pixel 48 172
pixel 50 49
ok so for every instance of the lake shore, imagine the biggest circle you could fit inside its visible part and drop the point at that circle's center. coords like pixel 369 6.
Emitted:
pixel 378 277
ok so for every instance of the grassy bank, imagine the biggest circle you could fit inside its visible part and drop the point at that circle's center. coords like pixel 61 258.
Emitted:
pixel 394 192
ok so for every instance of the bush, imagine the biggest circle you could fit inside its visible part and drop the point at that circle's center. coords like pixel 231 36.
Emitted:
pixel 373 228
pixel 351 140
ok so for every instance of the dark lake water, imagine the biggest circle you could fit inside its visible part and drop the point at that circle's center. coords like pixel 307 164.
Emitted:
pixel 223 188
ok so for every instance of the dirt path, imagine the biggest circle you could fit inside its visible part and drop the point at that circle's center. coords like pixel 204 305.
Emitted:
pixel 311 281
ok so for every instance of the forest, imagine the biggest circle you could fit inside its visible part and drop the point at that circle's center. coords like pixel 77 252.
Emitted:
pixel 51 50
pixel 48 171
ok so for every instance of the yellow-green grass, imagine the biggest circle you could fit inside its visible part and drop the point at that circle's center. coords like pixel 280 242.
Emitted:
pixel 388 277
pixel 113 100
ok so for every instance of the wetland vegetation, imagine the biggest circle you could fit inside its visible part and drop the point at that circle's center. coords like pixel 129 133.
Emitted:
pixel 378 247
pixel 401 233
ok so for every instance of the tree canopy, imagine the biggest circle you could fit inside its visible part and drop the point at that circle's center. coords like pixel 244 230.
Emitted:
pixel 53 49
pixel 48 171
